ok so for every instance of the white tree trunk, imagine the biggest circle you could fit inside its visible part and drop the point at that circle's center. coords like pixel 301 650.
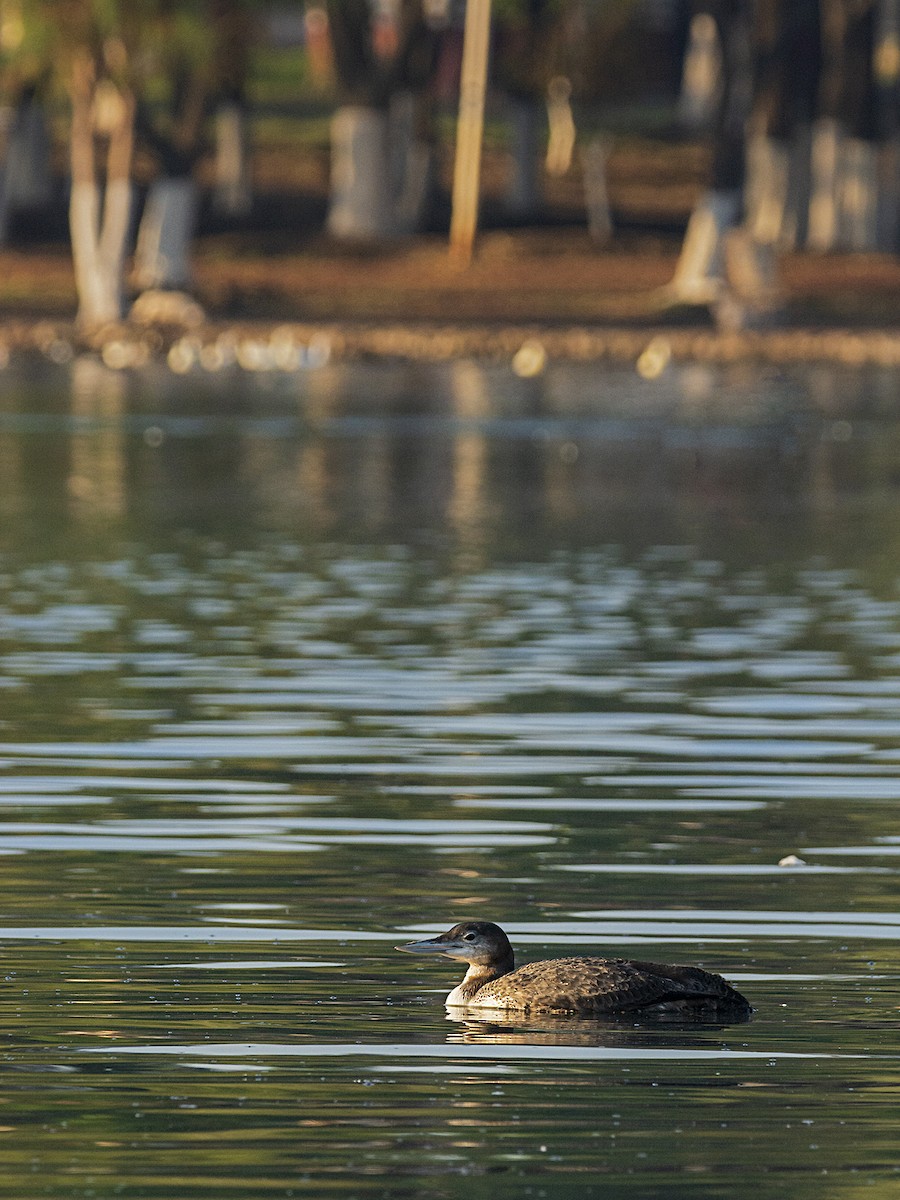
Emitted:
pixel 846 210
pixel 766 189
pixel 99 257
pixel 596 195
pixel 99 297
pixel 700 272
pixel 411 164
pixel 162 256
pixel 751 296
pixel 823 207
pixel 858 195
pixel 232 192
pixel 411 201
pixel 361 208
pixel 701 81
pixel 561 132
pixel 99 228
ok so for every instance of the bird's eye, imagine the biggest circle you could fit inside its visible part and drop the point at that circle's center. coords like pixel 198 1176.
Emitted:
pixel 469 937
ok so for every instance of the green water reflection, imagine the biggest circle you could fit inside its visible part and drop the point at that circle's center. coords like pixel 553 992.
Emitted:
pixel 294 666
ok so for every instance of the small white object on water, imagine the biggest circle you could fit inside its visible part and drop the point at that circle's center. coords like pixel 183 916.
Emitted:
pixel 791 860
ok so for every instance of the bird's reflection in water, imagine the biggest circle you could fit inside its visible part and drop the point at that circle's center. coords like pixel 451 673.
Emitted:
pixel 548 1030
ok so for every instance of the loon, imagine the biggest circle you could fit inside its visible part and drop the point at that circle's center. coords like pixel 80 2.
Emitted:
pixel 583 986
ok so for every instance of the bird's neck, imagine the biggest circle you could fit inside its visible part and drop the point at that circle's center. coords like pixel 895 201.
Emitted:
pixel 477 976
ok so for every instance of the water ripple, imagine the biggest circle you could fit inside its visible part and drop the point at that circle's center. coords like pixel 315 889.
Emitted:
pixel 505 1051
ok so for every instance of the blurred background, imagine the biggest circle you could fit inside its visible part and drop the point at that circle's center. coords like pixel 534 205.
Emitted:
pixel 173 138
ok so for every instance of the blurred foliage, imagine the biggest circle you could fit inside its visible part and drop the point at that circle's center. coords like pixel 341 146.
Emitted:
pixel 135 41
pixel 225 41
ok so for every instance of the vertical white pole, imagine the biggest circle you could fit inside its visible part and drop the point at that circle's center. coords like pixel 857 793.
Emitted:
pixel 470 128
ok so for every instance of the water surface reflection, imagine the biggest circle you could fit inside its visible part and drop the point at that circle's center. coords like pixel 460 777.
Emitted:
pixel 292 665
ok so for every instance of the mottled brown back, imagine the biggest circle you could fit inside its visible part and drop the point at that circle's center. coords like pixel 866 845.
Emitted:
pixel 607 986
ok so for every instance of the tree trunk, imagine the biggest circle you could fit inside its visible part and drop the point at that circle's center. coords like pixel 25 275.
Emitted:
pixel 99 226
pixel 858 195
pixel 381 158
pixel 360 180
pixel 232 193
pixel 766 191
pixel 411 160
pixel 596 195
pixel 561 132
pixel 702 74
pixel 823 208
pixel 162 256
pixel 700 273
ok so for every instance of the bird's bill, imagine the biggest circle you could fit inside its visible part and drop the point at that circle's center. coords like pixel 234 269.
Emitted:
pixel 429 946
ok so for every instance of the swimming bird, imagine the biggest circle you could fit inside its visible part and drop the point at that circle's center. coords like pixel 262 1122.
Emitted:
pixel 583 986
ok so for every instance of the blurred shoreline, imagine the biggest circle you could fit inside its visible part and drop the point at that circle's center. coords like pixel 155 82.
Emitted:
pixel 546 287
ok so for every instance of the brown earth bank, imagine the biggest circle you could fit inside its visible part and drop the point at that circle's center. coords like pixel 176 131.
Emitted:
pixel 544 276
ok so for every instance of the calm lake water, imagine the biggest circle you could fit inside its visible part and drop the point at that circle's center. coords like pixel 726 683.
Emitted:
pixel 296 666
